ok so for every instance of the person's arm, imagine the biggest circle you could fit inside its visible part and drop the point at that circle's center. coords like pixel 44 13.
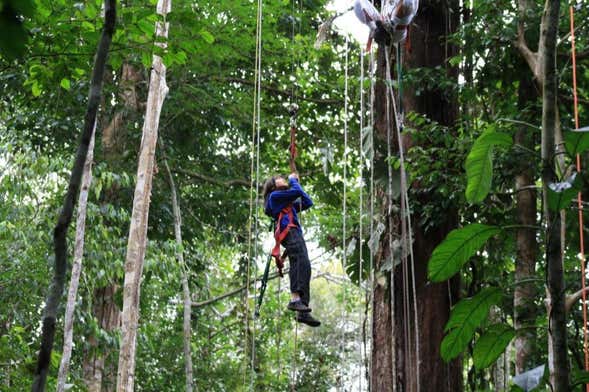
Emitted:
pixel 306 201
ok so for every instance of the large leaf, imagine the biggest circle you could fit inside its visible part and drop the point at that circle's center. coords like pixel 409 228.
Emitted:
pixel 579 377
pixel 457 248
pixel 492 344
pixel 479 164
pixel 576 142
pixel 465 318
pixel 560 194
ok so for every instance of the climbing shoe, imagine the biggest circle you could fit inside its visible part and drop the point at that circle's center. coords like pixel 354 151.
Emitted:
pixel 298 306
pixel 306 318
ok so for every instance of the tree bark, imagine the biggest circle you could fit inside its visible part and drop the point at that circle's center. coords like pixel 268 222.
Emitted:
pixel 524 297
pixel 100 374
pixel 139 218
pixel 185 288
pixel 76 267
pixel 391 354
pixel 65 217
pixel 557 337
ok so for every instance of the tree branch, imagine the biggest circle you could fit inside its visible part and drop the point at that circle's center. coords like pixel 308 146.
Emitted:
pixel 520 43
pixel 571 299
pixel 278 91
pixel 213 180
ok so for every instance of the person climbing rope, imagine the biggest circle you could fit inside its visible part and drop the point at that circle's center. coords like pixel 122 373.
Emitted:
pixel 389 26
pixel 282 201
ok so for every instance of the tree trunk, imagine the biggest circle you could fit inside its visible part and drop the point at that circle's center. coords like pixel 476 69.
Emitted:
pixel 557 347
pixel 99 377
pixel 76 267
pixel 65 217
pixel 104 309
pixel 524 308
pixel 393 358
pixel 139 218
pixel 185 289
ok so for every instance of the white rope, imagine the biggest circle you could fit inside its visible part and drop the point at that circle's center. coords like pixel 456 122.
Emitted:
pixel 253 191
pixel 256 222
pixel 389 214
pixel 372 76
pixel 406 225
pixel 361 202
pixel 344 208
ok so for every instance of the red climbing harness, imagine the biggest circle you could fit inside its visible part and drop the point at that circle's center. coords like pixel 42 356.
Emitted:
pixel 279 236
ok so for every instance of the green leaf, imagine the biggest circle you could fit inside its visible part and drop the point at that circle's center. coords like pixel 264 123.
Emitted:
pixel 65 83
pixel 35 89
pixel 88 26
pixel 560 194
pixel 492 344
pixel 459 246
pixel 465 318
pixel 208 37
pixel 579 377
pixel 479 164
pixel 576 142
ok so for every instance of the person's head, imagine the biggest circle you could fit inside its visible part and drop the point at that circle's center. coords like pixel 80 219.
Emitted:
pixel 273 183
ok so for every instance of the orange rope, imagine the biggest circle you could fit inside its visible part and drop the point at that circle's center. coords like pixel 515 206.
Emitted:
pixel 580 200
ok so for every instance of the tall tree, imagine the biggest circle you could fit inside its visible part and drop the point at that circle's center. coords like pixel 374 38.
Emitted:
pixel 557 346
pixel 60 231
pixel 138 231
pixel 392 354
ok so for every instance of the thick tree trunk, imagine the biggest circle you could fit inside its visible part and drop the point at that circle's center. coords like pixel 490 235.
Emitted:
pixel 394 358
pixel 185 289
pixel 557 346
pixel 76 267
pixel 524 297
pixel 139 218
pixel 98 373
pixel 65 217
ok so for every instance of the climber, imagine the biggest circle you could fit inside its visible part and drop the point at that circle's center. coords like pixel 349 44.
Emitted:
pixel 282 201
pixel 391 25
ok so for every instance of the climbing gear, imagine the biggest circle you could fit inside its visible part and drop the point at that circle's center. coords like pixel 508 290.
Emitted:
pixel 298 306
pixel 293 110
pixel 306 318
pixel 280 235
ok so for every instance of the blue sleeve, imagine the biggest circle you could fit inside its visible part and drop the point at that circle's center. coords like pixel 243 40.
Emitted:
pixel 280 199
pixel 305 201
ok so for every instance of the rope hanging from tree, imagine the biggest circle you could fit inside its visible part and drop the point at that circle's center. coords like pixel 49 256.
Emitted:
pixel 255 160
pixel 344 208
pixel 360 212
pixel 406 232
pixel 579 198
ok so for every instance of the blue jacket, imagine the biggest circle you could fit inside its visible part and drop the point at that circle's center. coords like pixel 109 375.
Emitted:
pixel 279 199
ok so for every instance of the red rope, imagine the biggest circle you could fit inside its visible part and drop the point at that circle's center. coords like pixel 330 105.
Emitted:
pixel 580 201
pixel 293 147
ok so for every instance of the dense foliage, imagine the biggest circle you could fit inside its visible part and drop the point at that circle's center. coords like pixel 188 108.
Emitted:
pixel 46 51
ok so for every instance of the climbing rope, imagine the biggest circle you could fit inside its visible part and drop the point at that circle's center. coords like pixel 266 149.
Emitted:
pixel 579 199
pixel 344 208
pixel 390 209
pixel 406 233
pixel 371 119
pixel 360 208
pixel 255 159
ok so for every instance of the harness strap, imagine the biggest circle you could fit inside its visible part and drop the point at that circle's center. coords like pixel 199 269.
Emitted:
pixel 280 235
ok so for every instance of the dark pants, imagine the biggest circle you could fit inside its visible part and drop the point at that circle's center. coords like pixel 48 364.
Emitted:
pixel 300 266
